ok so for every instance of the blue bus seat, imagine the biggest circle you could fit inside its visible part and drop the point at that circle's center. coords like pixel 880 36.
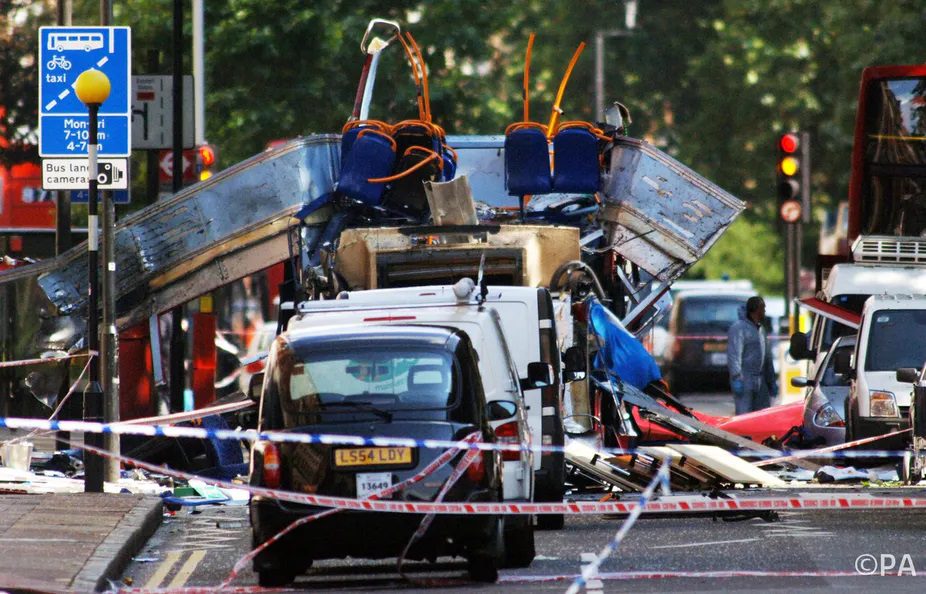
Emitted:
pixel 576 168
pixel 527 161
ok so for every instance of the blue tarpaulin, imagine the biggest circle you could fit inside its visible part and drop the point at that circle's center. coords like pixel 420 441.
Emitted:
pixel 621 353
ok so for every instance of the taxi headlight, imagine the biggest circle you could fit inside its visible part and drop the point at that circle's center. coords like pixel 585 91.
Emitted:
pixel 882 404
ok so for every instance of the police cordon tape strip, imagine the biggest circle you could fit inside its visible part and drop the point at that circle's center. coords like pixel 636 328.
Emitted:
pixel 650 575
pixel 686 504
pixel 127 428
pixel 590 570
pixel 432 467
pixel 822 452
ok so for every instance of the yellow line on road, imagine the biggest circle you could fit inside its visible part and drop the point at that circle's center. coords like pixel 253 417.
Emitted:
pixel 163 569
pixel 186 570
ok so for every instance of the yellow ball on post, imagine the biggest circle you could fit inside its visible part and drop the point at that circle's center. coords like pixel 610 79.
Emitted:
pixel 92 87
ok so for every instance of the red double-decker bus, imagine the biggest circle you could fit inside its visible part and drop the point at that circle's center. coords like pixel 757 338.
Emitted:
pixel 887 188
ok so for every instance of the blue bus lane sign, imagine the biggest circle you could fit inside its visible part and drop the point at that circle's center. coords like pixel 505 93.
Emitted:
pixel 64 122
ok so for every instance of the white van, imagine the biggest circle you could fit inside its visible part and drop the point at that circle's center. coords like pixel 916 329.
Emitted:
pixel 528 318
pixel 883 265
pixel 892 335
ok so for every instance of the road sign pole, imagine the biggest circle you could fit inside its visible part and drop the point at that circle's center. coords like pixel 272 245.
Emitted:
pixel 92 88
pixel 93 405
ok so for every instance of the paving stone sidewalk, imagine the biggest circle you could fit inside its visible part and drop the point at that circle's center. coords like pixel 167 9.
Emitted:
pixel 72 542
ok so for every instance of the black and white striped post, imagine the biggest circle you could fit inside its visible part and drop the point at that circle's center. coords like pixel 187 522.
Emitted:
pixel 92 88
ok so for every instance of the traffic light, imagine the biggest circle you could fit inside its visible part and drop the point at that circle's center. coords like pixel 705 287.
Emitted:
pixel 790 172
pixel 205 161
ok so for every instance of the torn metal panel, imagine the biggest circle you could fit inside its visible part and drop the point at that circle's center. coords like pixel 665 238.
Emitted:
pixel 659 214
pixel 519 255
pixel 205 236
pixel 696 431
pixel 725 465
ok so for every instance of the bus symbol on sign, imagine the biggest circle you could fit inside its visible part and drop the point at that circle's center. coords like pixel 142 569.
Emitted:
pixel 75 41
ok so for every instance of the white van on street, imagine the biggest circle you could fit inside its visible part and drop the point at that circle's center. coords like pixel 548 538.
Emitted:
pixel 892 335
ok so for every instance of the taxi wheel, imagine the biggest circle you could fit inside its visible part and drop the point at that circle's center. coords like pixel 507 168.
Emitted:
pixel 519 544
pixel 482 568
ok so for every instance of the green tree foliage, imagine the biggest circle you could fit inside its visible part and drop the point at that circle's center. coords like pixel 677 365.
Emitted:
pixel 762 262
pixel 712 82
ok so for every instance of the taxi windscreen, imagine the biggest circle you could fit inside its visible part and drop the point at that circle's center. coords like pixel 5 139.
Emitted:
pixel 364 384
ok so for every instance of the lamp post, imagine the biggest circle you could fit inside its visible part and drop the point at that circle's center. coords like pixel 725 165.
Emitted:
pixel 92 88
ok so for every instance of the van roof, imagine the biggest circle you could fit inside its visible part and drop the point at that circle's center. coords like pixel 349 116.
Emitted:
pixel 866 279
pixel 896 301
pixel 414 296
pixel 352 333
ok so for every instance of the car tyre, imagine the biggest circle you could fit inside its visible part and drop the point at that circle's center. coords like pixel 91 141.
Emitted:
pixel 483 568
pixel 519 545
pixel 274 578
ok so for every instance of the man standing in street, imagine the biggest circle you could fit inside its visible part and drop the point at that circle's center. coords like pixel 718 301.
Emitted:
pixel 749 359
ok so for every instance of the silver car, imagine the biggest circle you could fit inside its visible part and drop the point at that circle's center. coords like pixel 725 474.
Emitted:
pixel 824 404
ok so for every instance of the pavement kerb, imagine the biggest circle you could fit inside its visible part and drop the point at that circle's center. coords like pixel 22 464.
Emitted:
pixel 113 555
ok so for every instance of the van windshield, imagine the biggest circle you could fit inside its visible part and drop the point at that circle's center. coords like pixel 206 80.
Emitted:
pixel 897 338
pixel 364 384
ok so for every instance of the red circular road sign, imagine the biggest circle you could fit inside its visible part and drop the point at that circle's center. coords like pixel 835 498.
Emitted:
pixel 790 211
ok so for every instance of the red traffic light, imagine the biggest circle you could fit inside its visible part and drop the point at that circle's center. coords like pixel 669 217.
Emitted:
pixel 206 155
pixel 789 142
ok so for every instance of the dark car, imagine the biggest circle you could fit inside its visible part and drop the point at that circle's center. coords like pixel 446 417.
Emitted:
pixel 696 345
pixel 373 381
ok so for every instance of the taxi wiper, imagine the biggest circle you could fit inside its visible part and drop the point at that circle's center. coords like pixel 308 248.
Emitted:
pixel 364 406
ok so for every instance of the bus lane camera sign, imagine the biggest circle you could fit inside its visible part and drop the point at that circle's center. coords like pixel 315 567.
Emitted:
pixel 64 121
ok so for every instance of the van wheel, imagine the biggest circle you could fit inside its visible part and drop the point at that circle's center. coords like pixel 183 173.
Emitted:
pixel 519 544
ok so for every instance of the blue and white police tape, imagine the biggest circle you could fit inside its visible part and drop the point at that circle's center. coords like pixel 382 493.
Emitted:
pixel 685 504
pixel 130 428
pixel 591 569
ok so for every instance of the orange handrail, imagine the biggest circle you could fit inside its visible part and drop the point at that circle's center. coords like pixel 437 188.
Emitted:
pixel 527 75
pixel 424 76
pixel 401 174
pixel 411 60
pixel 554 116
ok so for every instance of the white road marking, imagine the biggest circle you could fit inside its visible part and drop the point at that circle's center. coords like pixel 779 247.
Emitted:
pixel 703 544
pixel 593 585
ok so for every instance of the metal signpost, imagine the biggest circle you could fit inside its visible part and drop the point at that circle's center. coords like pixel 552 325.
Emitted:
pixel 64 53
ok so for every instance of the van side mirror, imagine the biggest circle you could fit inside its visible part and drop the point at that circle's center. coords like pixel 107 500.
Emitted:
pixel 539 375
pixel 499 410
pixel 798 348
pixel 908 375
pixel 255 385
pixel 842 362
pixel 574 367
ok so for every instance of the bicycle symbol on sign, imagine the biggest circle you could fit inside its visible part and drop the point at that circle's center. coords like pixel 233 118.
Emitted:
pixel 58 61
